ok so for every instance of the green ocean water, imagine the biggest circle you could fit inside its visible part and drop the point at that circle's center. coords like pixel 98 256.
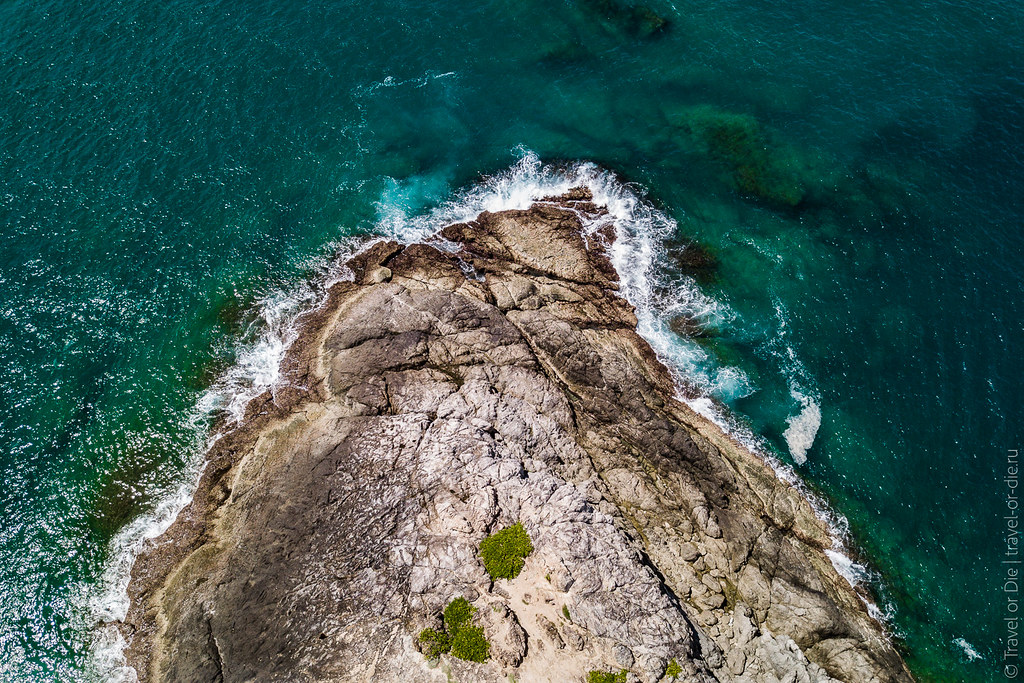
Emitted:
pixel 175 178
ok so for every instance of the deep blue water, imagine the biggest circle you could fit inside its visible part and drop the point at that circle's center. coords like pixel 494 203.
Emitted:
pixel 855 171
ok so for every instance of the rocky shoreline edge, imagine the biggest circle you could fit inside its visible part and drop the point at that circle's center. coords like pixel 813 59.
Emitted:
pixel 488 377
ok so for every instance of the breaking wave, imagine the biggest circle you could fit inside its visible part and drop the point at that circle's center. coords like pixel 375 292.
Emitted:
pixel 657 291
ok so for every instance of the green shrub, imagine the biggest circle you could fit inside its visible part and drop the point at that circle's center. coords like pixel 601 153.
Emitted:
pixel 436 642
pixel 607 676
pixel 469 644
pixel 565 613
pixel 457 614
pixel 504 552
pixel 673 670
pixel 459 637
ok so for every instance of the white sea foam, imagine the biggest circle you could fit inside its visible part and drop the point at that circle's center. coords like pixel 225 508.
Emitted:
pixel 646 281
pixel 852 571
pixel 392 82
pixel 967 649
pixel 638 255
pixel 803 427
pixel 856 575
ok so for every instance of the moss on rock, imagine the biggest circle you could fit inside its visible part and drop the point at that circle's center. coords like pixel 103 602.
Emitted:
pixel 434 643
pixel 457 615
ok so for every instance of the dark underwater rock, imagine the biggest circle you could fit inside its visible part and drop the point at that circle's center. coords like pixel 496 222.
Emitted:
pixel 757 165
pixel 639 21
pixel 695 260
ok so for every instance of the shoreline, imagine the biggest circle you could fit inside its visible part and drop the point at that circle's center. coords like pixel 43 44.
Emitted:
pixel 193 522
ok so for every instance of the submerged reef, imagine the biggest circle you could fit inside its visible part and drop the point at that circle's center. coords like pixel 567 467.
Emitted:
pixel 761 164
pixel 477 470
pixel 756 163
pixel 639 20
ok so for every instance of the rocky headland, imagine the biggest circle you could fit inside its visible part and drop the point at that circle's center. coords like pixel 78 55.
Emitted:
pixel 451 389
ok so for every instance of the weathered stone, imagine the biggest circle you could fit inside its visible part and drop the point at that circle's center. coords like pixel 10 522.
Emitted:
pixel 623 656
pixel 573 638
pixel 689 552
pixel 508 639
pixel 440 396
pixel 736 660
pixel 550 632
pixel 378 275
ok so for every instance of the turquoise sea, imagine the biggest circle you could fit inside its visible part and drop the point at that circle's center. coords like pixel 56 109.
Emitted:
pixel 176 178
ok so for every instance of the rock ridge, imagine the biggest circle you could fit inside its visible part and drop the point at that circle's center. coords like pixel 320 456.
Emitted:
pixel 489 376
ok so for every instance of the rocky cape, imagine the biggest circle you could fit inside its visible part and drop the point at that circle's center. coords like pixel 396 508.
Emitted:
pixel 452 388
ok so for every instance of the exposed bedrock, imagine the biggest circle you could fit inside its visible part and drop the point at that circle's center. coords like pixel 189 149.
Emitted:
pixel 450 390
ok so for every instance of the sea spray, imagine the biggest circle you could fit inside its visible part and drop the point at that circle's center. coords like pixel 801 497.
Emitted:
pixel 969 650
pixel 802 427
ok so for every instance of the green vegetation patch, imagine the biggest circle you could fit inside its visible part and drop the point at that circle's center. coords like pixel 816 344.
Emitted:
pixel 459 637
pixel 457 615
pixel 673 670
pixel 435 643
pixel 470 644
pixel 504 552
pixel 607 676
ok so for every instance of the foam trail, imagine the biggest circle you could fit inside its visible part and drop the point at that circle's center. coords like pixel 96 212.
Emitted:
pixel 856 574
pixel 803 427
pixel 967 649
pixel 853 571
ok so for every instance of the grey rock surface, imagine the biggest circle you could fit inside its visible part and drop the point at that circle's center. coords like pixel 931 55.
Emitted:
pixel 452 389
